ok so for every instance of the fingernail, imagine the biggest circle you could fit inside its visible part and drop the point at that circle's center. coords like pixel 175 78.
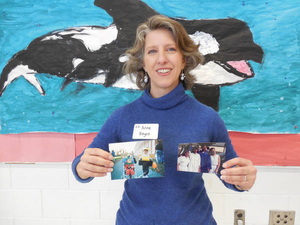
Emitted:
pixel 110 169
pixel 111 164
pixel 110 157
pixel 223 172
pixel 224 165
pixel 223 177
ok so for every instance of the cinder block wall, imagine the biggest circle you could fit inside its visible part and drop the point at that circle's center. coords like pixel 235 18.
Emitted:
pixel 48 194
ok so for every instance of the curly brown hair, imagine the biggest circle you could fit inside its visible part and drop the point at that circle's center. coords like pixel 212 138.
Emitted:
pixel 189 50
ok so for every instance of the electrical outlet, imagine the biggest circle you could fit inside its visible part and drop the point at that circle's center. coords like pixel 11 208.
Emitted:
pixel 239 217
pixel 282 217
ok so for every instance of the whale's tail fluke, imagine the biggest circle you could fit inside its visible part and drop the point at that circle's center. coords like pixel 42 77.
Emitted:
pixel 6 76
pixel 16 68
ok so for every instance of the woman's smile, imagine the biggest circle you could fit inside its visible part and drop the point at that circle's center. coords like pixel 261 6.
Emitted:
pixel 164 72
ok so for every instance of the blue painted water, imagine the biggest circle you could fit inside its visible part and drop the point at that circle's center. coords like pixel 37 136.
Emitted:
pixel 267 103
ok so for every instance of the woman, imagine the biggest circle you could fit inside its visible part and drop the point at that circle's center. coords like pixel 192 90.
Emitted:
pixel 215 161
pixel 183 160
pixel 162 57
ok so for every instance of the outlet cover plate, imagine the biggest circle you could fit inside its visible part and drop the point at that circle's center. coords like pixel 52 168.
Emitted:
pixel 281 217
pixel 239 216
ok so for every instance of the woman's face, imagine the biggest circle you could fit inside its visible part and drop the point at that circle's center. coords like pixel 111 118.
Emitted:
pixel 163 62
pixel 213 151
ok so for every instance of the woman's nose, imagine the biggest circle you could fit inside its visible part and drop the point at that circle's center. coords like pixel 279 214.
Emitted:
pixel 162 57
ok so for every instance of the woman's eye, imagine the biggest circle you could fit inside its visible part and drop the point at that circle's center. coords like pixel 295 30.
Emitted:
pixel 151 51
pixel 171 49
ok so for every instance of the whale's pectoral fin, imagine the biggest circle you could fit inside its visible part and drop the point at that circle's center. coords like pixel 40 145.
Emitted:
pixel 2 89
pixel 66 82
pixel 70 77
pixel 207 95
pixel 79 87
pixel 30 77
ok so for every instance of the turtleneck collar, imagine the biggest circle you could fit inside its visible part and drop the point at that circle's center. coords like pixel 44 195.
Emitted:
pixel 169 100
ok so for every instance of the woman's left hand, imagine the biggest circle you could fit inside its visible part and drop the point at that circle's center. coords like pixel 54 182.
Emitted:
pixel 239 172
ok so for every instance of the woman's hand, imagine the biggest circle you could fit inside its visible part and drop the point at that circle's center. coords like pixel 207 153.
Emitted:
pixel 239 172
pixel 94 162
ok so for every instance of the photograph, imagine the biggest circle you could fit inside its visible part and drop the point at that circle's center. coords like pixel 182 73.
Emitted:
pixel 201 157
pixel 137 159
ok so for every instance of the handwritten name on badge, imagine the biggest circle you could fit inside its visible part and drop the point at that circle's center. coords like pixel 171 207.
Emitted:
pixel 145 131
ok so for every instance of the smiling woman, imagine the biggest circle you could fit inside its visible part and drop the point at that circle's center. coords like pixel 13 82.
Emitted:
pixel 163 49
pixel 162 54
pixel 163 62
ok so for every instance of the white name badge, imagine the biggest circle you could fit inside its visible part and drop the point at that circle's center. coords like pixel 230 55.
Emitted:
pixel 145 131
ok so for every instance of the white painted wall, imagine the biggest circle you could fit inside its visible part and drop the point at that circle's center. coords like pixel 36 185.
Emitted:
pixel 48 194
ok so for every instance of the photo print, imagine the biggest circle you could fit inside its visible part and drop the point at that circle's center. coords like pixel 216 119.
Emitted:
pixel 137 159
pixel 202 157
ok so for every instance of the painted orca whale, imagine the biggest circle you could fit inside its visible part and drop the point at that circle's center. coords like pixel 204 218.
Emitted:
pixel 88 54
pixel 96 54
pixel 61 53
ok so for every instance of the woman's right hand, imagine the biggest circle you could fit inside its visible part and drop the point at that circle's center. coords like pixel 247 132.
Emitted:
pixel 94 162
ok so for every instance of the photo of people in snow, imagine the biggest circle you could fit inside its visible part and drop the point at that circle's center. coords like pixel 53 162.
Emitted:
pixel 201 157
pixel 139 159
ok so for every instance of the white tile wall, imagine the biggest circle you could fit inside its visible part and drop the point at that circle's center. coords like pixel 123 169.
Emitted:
pixel 110 201
pixel 6 221
pixel 20 203
pixel 47 194
pixel 42 221
pixel 92 222
pixel 40 176
pixel 5 175
pixel 67 204
pixel 294 204
pixel 218 201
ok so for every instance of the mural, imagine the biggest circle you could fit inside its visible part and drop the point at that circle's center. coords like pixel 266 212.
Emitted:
pixel 61 70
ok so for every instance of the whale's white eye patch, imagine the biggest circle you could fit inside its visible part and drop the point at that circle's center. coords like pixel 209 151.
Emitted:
pixel 208 44
pixel 77 61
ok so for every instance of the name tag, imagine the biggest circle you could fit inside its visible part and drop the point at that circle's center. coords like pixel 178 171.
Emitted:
pixel 145 131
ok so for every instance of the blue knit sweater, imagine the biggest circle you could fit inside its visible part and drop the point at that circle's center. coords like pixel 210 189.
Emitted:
pixel 177 198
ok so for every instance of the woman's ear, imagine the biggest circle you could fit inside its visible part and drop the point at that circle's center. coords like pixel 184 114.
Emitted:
pixel 183 63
